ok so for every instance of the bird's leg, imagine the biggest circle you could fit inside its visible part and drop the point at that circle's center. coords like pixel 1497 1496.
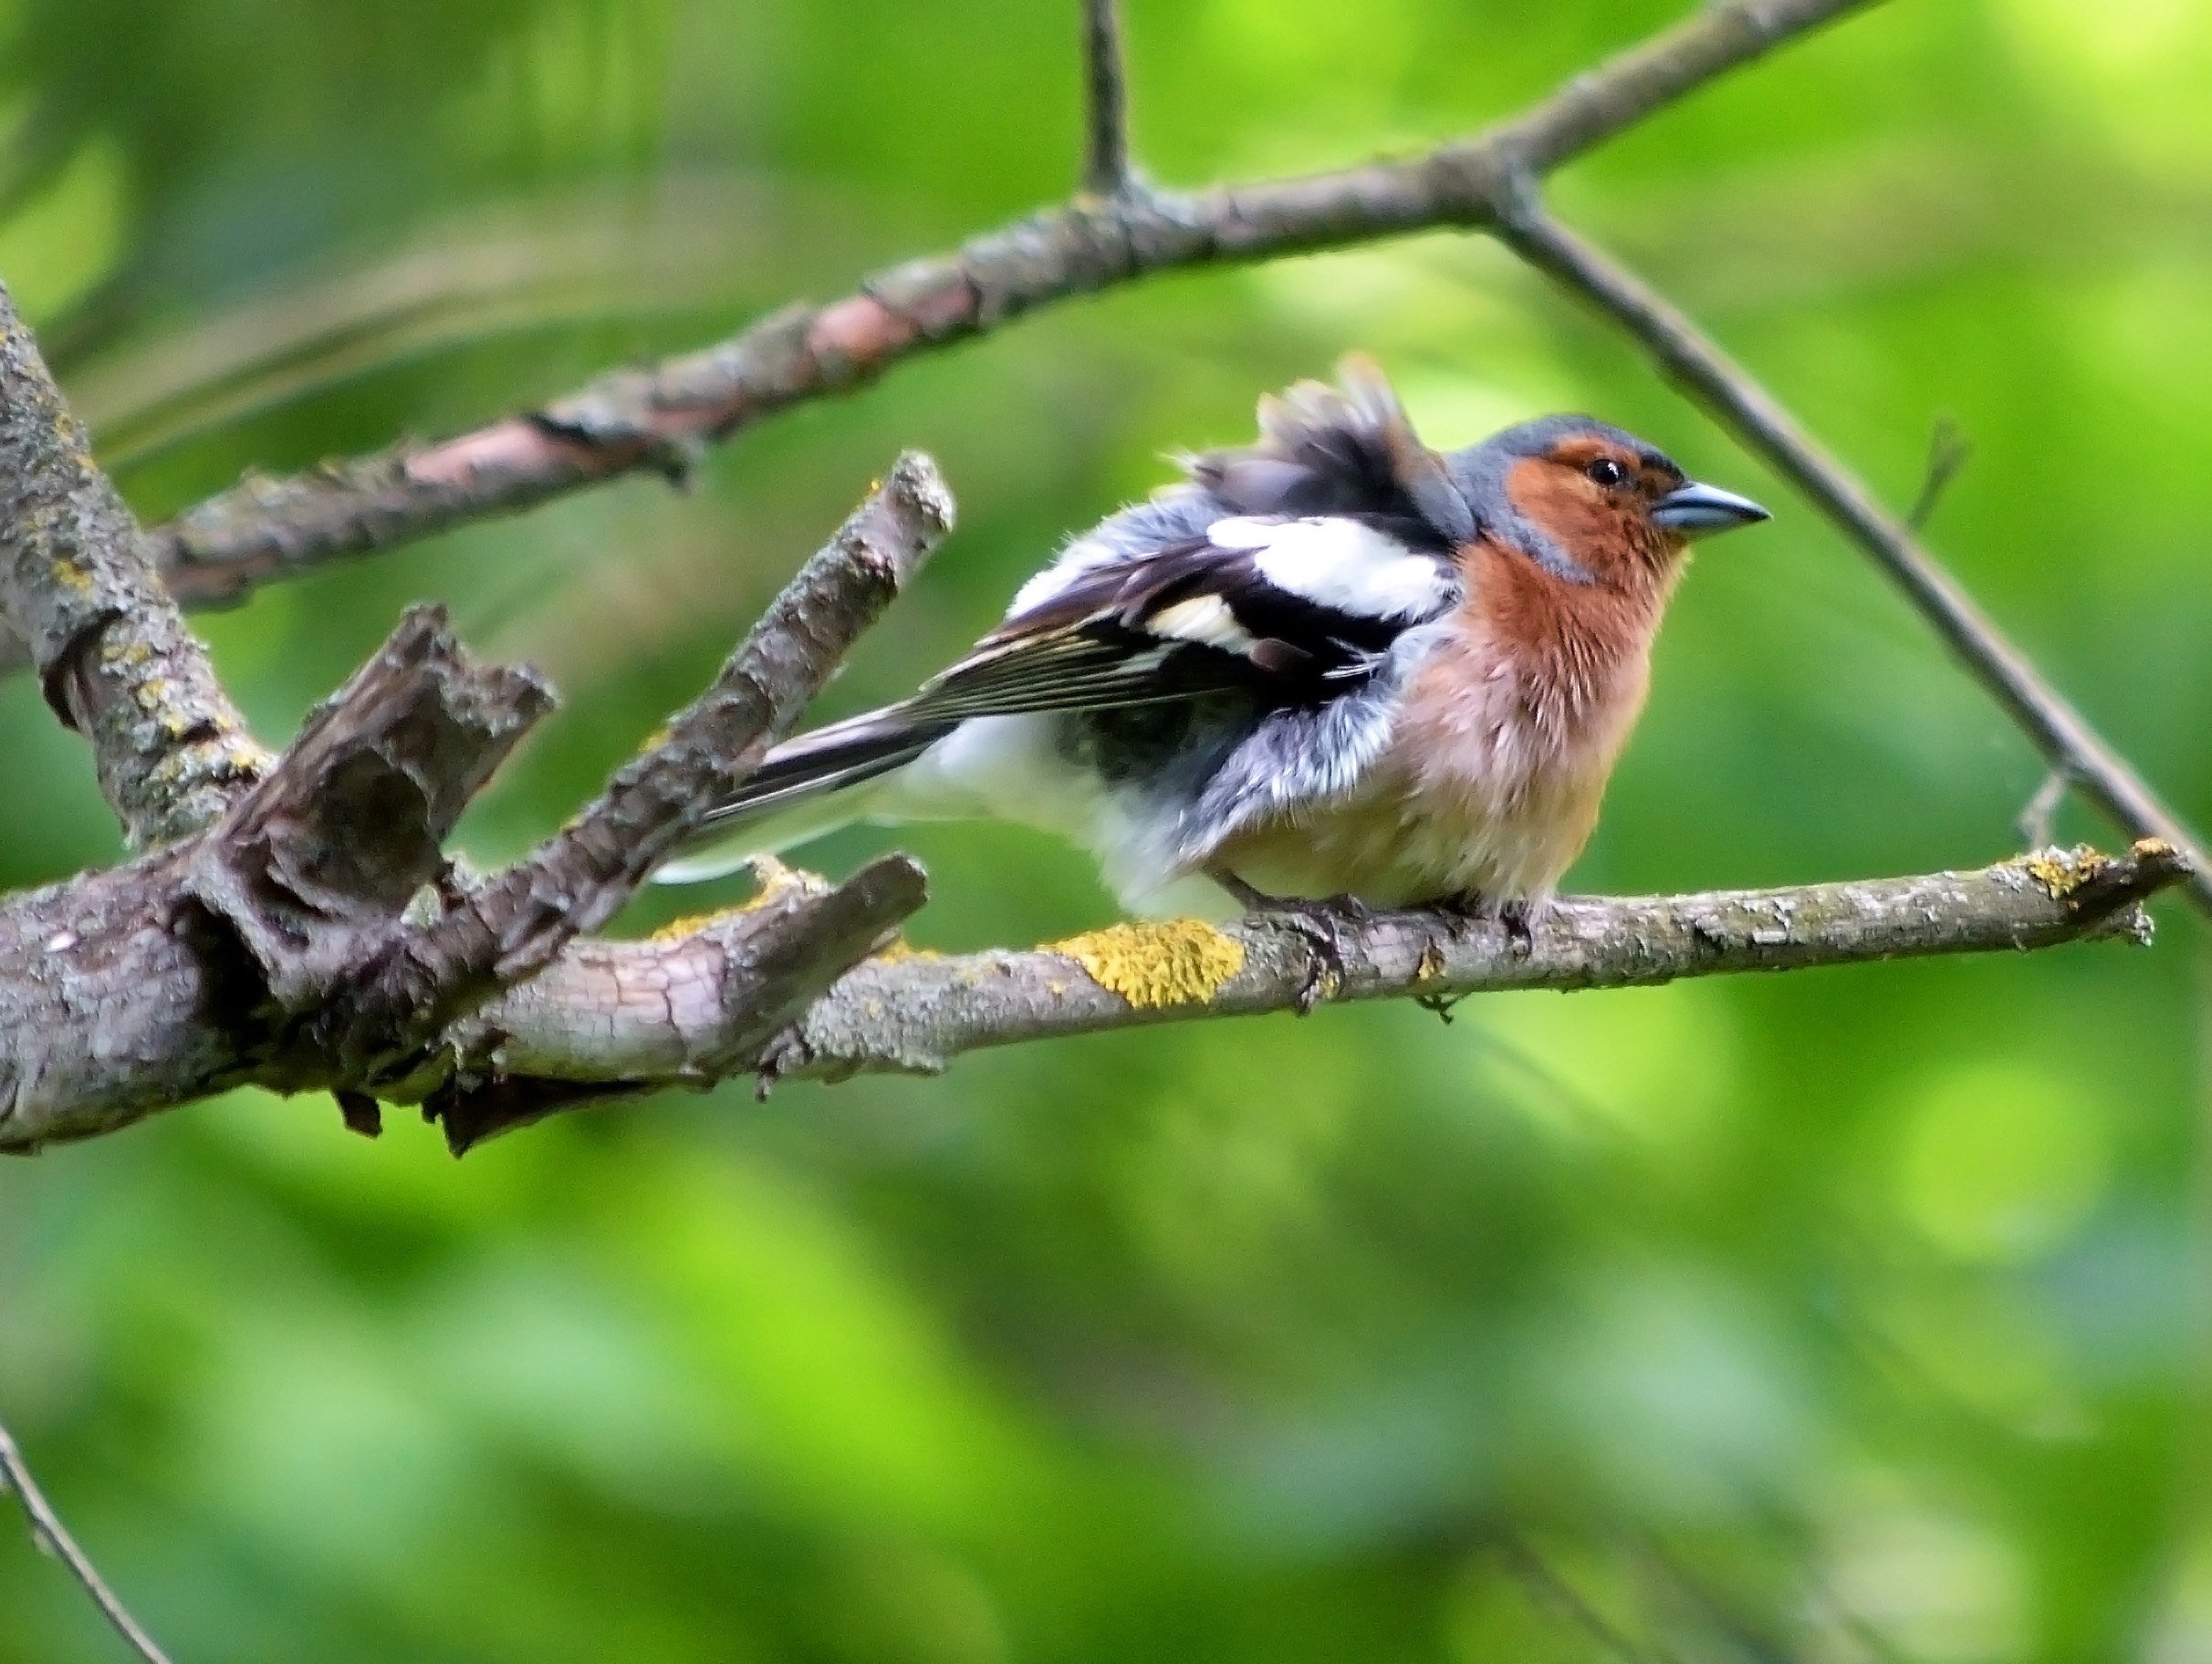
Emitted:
pixel 1320 922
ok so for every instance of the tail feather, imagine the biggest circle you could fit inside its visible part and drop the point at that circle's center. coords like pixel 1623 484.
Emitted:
pixel 757 817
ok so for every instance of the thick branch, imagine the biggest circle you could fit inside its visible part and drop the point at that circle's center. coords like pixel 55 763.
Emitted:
pixel 48 1532
pixel 1106 165
pixel 314 938
pixel 693 1004
pixel 638 1014
pixel 661 417
pixel 1723 388
pixel 512 927
pixel 109 646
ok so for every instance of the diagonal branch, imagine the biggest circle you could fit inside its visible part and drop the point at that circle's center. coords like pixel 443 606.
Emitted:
pixel 662 418
pixel 1728 393
pixel 109 645
pixel 511 928
pixel 607 1014
pixel 1107 172
pixel 48 1532
pixel 315 938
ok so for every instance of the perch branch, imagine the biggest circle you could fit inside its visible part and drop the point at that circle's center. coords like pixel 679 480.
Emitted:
pixel 662 418
pixel 1716 382
pixel 109 645
pixel 608 1016
pixel 314 938
pixel 1107 172
pixel 511 928
pixel 48 1532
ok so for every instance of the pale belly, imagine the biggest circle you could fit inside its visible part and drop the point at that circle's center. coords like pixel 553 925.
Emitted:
pixel 1481 798
pixel 1396 847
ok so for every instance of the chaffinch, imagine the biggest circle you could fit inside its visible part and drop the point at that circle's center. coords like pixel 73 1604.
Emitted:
pixel 1335 666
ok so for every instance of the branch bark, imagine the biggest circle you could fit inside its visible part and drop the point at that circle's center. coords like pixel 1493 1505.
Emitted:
pixel 1728 393
pixel 511 928
pixel 663 418
pixel 314 937
pixel 1107 171
pixel 109 646
pixel 632 1016
pixel 48 1533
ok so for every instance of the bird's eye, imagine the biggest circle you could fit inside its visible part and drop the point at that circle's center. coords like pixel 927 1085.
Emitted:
pixel 1605 471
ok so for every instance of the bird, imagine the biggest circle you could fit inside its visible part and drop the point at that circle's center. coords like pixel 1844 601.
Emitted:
pixel 1329 671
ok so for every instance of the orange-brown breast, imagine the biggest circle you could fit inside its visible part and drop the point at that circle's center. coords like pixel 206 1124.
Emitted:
pixel 1510 729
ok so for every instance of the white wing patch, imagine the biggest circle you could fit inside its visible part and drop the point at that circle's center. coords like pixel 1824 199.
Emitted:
pixel 1202 618
pixel 1084 554
pixel 1342 564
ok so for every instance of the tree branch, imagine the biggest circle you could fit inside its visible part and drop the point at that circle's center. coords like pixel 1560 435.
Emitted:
pixel 48 1532
pixel 1728 393
pixel 637 1014
pixel 1107 172
pixel 512 927
pixel 109 645
pixel 315 938
pixel 662 418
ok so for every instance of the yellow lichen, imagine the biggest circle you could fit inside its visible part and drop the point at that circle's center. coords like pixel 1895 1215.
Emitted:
pixel 1183 961
pixel 775 882
pixel 899 949
pixel 2062 871
pixel 72 578
pixel 691 924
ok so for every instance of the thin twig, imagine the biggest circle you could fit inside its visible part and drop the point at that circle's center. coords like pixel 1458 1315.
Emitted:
pixel 47 1530
pixel 2038 812
pixel 661 417
pixel 1715 382
pixel 1950 450
pixel 1106 166
pixel 1552 1592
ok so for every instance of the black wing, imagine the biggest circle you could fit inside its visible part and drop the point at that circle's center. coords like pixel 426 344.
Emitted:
pixel 1294 608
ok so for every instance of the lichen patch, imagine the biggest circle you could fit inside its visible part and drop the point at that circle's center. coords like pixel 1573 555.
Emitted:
pixel 691 924
pixel 1183 961
pixel 2060 872
pixel 898 950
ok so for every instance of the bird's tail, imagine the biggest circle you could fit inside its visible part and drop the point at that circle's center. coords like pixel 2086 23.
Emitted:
pixel 802 789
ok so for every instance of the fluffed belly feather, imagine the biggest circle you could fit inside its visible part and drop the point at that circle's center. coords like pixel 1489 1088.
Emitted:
pixel 1482 792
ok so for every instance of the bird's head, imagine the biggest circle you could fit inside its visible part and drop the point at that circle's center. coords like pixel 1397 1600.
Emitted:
pixel 1591 502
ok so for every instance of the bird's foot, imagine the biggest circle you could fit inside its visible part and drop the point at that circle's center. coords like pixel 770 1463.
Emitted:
pixel 1519 917
pixel 1321 923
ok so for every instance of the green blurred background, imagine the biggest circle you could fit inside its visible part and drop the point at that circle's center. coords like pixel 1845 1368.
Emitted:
pixel 1852 1315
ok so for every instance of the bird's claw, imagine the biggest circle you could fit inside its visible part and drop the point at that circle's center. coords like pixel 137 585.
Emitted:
pixel 1323 924
pixel 1439 1005
pixel 1518 918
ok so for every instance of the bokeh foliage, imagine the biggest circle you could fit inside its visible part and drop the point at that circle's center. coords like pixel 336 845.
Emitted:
pixel 1849 1315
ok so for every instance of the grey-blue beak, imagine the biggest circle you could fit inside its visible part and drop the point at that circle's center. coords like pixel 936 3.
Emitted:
pixel 1698 510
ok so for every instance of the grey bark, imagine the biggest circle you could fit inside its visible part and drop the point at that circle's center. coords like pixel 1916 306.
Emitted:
pixel 315 938
pixel 626 1016
pixel 110 648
